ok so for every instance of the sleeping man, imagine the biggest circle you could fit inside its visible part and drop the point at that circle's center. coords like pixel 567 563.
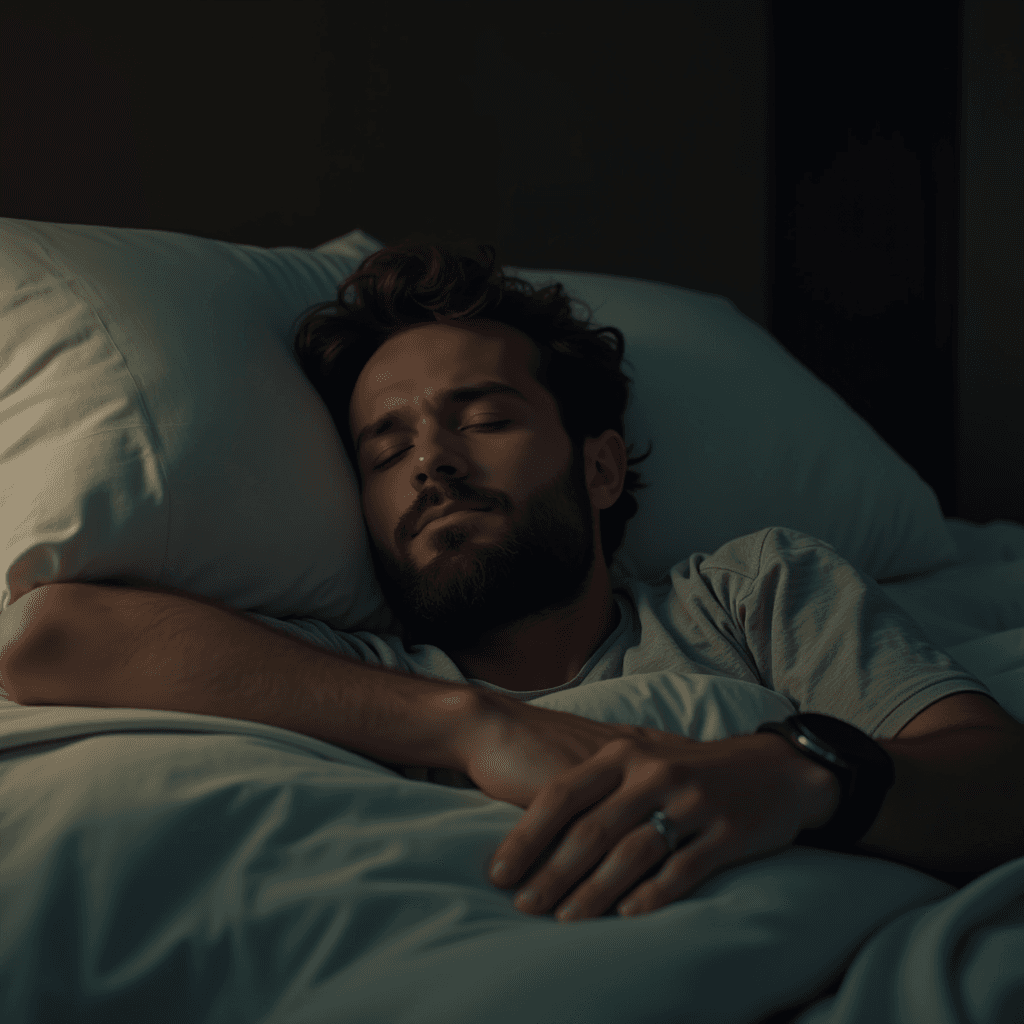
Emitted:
pixel 495 489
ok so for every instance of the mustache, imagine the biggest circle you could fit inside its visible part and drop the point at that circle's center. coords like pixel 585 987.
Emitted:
pixel 432 499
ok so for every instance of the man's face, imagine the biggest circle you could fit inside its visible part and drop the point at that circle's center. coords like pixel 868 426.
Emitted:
pixel 460 577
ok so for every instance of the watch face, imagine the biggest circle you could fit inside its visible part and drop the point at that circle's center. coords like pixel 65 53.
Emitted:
pixel 814 742
pixel 843 739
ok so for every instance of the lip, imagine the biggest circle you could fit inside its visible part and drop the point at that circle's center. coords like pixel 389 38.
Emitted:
pixel 446 510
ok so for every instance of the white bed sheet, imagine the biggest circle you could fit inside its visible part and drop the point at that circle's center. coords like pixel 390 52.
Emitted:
pixel 162 866
pixel 981 596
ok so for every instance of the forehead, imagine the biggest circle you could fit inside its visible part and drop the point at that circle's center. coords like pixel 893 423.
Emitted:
pixel 441 355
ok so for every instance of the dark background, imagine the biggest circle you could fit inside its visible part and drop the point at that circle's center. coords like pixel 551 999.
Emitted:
pixel 848 174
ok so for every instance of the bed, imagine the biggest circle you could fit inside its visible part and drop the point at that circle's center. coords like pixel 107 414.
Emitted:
pixel 155 428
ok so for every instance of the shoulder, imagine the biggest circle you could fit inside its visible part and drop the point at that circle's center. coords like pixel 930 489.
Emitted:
pixel 754 553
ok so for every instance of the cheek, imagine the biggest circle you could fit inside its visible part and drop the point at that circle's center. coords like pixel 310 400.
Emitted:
pixel 384 503
pixel 548 461
pixel 511 460
pixel 525 469
pixel 373 512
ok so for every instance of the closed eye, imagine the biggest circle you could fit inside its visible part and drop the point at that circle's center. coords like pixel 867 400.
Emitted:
pixel 494 425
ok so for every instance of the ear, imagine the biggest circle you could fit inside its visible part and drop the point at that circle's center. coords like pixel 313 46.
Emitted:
pixel 609 452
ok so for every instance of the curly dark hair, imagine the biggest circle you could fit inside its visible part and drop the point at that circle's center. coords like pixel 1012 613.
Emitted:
pixel 405 284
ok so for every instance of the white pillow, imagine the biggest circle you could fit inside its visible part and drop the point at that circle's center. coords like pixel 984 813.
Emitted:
pixel 156 427
pixel 746 437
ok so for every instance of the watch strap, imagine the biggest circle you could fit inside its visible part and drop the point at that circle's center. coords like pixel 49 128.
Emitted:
pixel 864 770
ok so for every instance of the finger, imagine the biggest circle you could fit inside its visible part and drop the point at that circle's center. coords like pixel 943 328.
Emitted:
pixel 633 860
pixel 620 830
pixel 555 805
pixel 686 870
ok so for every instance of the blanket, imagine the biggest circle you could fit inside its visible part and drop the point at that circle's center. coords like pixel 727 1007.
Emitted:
pixel 164 867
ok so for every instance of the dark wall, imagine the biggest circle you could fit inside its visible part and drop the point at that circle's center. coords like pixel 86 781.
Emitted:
pixel 594 137
pixel 866 213
pixel 648 140
pixel 990 407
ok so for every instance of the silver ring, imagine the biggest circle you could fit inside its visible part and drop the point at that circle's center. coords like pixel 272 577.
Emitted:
pixel 667 830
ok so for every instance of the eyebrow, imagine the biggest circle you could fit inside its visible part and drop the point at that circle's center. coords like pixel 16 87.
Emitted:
pixel 465 395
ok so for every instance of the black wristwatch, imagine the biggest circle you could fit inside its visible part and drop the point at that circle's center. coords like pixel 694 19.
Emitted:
pixel 864 770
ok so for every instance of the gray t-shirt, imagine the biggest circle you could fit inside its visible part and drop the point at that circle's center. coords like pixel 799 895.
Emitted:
pixel 777 608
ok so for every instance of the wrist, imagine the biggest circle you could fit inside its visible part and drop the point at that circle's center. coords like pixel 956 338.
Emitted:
pixel 820 788
pixel 823 793
pixel 465 709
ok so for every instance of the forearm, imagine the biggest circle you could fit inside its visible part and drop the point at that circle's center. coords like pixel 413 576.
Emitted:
pixel 957 805
pixel 129 648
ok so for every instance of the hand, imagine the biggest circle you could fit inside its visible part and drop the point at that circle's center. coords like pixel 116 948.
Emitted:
pixel 510 750
pixel 731 801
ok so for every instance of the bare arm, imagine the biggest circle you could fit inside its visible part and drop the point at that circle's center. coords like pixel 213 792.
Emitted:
pixel 87 645
pixel 957 807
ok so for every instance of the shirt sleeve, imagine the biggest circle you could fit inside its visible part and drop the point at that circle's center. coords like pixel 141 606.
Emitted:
pixel 830 639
